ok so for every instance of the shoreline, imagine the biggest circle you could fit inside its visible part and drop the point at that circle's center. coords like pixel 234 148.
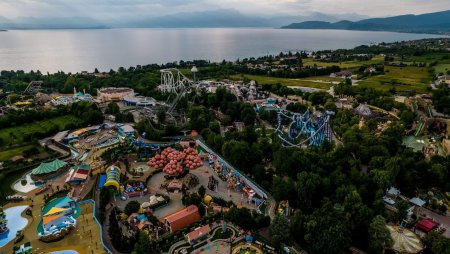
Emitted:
pixel 447 34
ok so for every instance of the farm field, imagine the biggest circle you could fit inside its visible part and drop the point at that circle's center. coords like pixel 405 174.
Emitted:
pixel 9 153
pixel 442 68
pixel 321 82
pixel 405 79
pixel 441 58
pixel 16 135
pixel 346 64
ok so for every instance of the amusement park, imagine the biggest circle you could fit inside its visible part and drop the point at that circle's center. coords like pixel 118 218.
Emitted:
pixel 229 166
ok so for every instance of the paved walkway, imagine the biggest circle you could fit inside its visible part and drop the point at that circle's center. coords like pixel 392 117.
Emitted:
pixel 239 198
pixel 444 220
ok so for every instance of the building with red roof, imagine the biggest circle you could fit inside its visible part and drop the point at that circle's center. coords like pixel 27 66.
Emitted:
pixel 181 219
pixel 426 225
pixel 198 235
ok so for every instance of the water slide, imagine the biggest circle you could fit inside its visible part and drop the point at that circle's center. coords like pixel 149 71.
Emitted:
pixel 430 111
pixel 419 128
pixel 415 107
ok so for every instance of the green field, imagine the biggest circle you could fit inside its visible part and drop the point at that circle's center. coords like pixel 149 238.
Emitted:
pixel 8 154
pixel 322 82
pixel 428 58
pixel 410 79
pixel 15 135
pixel 442 68
pixel 344 65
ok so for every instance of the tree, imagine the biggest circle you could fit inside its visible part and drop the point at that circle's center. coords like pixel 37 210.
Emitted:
pixel 279 229
pixel 143 245
pixel 407 117
pixel 325 231
pixel 379 236
pixel 105 197
pixel 402 210
pixel 201 191
pixel 308 189
pixel 438 243
pixel 161 116
pixel 132 207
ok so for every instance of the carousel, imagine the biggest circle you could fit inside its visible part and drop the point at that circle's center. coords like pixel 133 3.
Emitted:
pixel 404 241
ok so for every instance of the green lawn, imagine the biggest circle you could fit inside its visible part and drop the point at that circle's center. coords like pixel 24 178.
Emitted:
pixel 346 64
pixel 442 68
pixel 428 58
pixel 8 154
pixel 322 82
pixel 15 135
pixel 411 79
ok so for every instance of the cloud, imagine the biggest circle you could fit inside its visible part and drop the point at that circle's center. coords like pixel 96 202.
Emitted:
pixel 120 9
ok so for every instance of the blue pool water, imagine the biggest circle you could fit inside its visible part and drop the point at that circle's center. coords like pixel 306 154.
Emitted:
pixel 64 252
pixel 15 223
pixel 102 181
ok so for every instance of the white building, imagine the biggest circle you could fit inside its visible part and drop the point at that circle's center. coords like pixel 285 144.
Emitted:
pixel 114 94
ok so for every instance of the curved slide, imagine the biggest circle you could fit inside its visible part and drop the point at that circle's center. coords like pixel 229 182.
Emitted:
pixel 430 111
pixel 419 128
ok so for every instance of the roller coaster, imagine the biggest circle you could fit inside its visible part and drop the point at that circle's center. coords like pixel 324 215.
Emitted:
pixel 304 129
pixel 175 82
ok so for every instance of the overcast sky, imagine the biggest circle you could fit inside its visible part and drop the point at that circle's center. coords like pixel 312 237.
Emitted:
pixel 119 9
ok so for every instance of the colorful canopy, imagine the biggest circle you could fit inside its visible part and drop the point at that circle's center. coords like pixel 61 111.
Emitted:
pixel 404 241
pixel 113 177
pixel 48 219
pixel 55 210
pixel 49 167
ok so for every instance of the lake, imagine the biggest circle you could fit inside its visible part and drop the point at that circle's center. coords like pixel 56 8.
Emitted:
pixel 79 50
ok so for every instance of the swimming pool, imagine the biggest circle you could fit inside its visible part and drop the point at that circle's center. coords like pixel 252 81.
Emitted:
pixel 15 223
pixel 29 185
pixel 64 252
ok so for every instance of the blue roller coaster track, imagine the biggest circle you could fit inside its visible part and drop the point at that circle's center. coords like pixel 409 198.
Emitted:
pixel 314 130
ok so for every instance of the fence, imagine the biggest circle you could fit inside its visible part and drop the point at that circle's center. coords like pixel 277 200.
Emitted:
pixel 99 224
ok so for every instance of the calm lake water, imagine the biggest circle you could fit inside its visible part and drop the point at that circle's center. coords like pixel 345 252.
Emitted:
pixel 78 50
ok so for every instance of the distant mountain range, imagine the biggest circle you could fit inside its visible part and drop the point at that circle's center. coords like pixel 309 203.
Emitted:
pixel 436 23
pixel 226 18
pixel 213 18
pixel 50 23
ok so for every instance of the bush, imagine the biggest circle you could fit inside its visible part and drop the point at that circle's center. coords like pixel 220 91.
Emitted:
pixel 201 191
pixel 132 207
pixel 30 151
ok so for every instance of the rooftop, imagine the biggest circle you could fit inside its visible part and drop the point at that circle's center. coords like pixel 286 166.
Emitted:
pixel 198 232
pixel 110 90
pixel 183 218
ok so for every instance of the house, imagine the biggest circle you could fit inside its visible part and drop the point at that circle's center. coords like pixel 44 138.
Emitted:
pixel 78 174
pixel 181 219
pixel 341 74
pixel 426 225
pixel 446 79
pixel 370 70
pixel 198 235
pixel 417 201
pixel 125 130
pixel 17 158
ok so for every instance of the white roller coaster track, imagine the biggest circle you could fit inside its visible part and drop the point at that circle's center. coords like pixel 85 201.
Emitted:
pixel 33 87
pixel 311 135
pixel 173 81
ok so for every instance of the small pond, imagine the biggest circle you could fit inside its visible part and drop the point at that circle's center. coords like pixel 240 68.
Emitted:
pixel 15 223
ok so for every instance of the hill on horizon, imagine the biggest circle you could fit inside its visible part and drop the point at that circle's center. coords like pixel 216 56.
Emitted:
pixel 436 23
pixel 197 19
